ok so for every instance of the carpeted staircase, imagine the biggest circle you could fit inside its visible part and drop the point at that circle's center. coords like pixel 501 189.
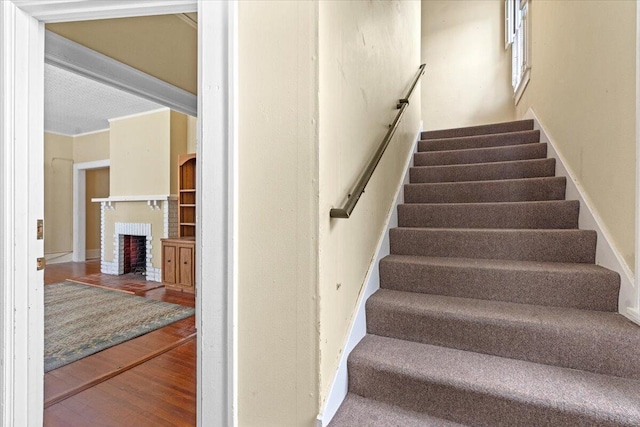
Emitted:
pixel 491 311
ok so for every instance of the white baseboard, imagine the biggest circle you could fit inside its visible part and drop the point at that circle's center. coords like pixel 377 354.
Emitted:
pixel 92 253
pixel 358 329
pixel 607 254
pixel 58 257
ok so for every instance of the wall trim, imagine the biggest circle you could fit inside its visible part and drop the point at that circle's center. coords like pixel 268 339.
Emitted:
pixel 84 10
pixel 144 113
pixel 71 56
pixel 92 132
pixel 58 257
pixel 79 205
pixel 358 328
pixel 607 254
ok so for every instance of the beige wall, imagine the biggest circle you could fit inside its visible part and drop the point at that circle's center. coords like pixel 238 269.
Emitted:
pixel 278 204
pixel 97 186
pixel 582 89
pixel 192 132
pixel 369 54
pixel 137 212
pixel 58 195
pixel 163 46
pixel 139 152
pixel 178 136
pixel 91 147
pixel 468 78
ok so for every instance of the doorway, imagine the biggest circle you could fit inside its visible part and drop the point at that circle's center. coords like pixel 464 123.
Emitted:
pixel 21 71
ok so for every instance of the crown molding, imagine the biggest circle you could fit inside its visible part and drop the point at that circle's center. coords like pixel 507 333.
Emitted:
pixel 68 55
pixel 83 10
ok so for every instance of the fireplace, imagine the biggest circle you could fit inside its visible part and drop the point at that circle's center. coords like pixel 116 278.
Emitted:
pixel 134 254
pixel 132 246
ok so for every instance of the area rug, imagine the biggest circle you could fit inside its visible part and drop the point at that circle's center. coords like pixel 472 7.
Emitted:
pixel 82 320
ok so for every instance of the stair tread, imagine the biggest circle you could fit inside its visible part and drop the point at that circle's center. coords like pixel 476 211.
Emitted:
pixel 500 127
pixel 534 150
pixel 501 264
pixel 497 181
pixel 601 397
pixel 362 412
pixel 597 341
pixel 526 214
pixel 485 164
pixel 483 171
pixel 503 190
pixel 478 141
pixel 588 322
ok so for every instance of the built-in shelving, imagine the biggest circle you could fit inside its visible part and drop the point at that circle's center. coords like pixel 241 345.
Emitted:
pixel 187 195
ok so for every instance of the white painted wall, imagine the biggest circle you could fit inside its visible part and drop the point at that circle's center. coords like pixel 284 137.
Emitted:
pixel 278 205
pixel 583 89
pixel 468 79
pixel 369 55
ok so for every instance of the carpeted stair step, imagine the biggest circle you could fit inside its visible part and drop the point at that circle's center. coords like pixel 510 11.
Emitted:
pixel 482 141
pixel 361 412
pixel 596 341
pixel 542 214
pixel 484 171
pixel 523 245
pixel 506 190
pixel 479 389
pixel 481 155
pixel 515 126
pixel 572 285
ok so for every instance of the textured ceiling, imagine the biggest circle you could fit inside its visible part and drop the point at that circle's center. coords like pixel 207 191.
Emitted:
pixel 74 105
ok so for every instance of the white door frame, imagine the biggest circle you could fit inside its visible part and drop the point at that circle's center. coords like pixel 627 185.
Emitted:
pixel 21 198
pixel 80 206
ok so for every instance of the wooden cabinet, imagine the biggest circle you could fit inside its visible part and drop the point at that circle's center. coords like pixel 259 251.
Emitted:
pixel 178 264
pixel 187 196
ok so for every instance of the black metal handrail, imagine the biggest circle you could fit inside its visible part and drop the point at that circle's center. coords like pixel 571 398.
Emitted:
pixel 354 196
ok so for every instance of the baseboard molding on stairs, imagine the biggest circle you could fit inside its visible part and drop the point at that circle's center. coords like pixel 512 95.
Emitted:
pixel 606 253
pixel 358 329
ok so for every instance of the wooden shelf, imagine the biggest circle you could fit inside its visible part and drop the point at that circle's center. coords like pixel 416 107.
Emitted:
pixel 187 199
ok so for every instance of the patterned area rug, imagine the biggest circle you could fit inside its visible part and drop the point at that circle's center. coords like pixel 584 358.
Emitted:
pixel 82 320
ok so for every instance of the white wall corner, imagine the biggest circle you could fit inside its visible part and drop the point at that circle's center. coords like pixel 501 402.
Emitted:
pixel 358 328
pixel 607 255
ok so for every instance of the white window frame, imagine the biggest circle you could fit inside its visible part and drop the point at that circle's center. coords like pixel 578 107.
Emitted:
pixel 21 198
pixel 518 37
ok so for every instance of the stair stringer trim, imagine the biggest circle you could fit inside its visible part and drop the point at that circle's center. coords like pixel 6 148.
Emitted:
pixel 607 254
pixel 358 329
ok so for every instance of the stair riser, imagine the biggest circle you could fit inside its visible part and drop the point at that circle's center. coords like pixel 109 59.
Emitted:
pixel 479 130
pixel 483 172
pixel 589 291
pixel 499 140
pixel 539 343
pixel 516 215
pixel 559 246
pixel 487 191
pixel 462 405
pixel 481 155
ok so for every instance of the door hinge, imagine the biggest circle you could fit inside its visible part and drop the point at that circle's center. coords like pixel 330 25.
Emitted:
pixel 40 229
pixel 42 263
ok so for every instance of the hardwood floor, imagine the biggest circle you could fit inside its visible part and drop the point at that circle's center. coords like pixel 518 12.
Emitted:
pixel 146 381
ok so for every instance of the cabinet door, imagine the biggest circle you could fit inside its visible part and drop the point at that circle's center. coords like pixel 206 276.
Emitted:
pixel 169 263
pixel 185 255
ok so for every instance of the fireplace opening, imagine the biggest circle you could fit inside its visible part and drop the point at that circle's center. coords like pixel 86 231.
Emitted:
pixel 134 253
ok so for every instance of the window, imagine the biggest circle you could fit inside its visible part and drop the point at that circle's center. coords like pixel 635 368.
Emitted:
pixel 517 35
